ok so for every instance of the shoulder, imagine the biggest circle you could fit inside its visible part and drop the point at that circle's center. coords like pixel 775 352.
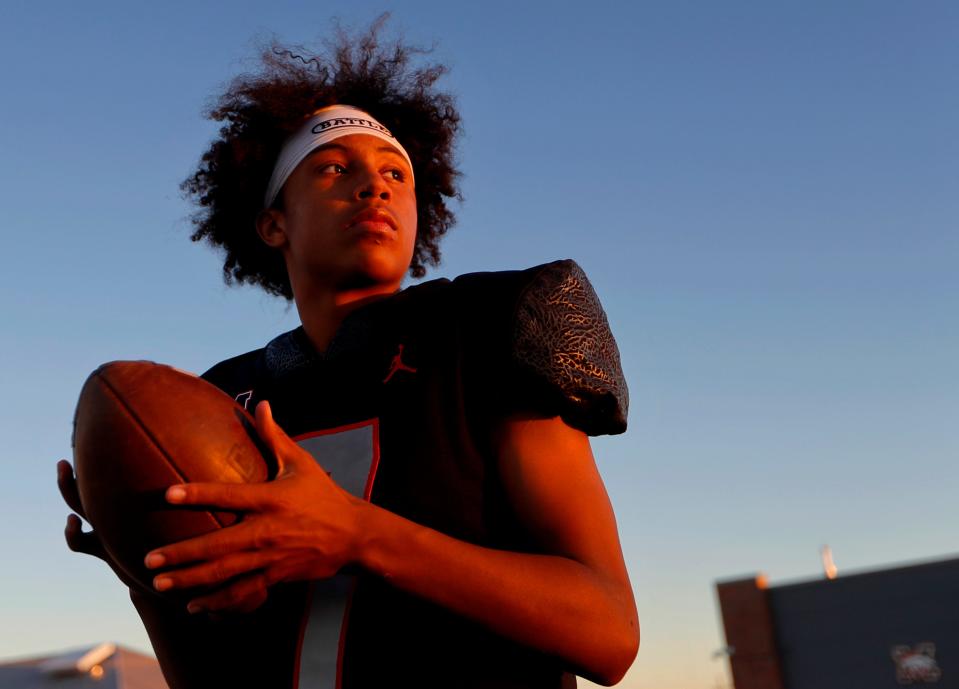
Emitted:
pixel 285 353
pixel 555 283
pixel 546 329
pixel 236 374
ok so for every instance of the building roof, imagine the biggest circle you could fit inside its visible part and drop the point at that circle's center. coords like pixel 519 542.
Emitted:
pixel 104 666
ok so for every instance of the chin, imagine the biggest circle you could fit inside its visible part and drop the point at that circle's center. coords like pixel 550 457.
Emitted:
pixel 377 272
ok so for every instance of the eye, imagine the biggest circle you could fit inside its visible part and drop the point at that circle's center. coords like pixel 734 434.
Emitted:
pixel 396 174
pixel 331 169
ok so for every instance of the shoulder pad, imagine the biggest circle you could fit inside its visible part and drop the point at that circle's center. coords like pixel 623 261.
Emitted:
pixel 561 337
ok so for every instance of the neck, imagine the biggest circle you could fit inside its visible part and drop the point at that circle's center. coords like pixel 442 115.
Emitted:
pixel 323 310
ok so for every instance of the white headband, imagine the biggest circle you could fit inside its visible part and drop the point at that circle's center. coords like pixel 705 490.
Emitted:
pixel 324 126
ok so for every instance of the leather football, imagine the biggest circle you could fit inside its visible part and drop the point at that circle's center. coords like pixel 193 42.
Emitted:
pixel 141 427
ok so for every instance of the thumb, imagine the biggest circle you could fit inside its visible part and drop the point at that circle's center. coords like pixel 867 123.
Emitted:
pixel 276 439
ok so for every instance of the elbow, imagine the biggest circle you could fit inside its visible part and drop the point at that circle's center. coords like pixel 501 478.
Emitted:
pixel 623 657
pixel 618 656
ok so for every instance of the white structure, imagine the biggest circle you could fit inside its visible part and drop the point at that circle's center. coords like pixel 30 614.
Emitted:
pixel 106 666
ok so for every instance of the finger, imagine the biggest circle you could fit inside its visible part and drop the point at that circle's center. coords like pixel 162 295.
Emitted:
pixel 243 595
pixel 215 572
pixel 288 454
pixel 271 434
pixel 243 497
pixel 73 533
pixel 68 487
pixel 80 542
pixel 240 537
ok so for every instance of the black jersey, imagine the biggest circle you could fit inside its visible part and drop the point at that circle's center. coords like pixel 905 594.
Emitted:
pixel 399 410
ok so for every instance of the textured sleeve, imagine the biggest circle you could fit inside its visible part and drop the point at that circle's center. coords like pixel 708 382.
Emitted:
pixel 563 349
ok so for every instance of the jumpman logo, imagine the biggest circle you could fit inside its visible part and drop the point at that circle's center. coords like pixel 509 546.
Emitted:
pixel 398 365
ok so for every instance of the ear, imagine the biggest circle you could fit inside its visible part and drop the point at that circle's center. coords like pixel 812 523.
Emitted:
pixel 270 227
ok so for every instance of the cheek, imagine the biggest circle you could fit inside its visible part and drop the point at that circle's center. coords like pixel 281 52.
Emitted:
pixel 411 235
pixel 410 220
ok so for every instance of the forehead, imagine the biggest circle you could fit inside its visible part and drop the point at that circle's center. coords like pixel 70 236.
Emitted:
pixel 360 144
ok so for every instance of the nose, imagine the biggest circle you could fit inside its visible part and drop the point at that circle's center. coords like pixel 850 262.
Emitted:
pixel 371 184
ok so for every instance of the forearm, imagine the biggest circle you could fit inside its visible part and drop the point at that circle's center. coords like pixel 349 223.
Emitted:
pixel 553 603
pixel 188 652
pixel 252 649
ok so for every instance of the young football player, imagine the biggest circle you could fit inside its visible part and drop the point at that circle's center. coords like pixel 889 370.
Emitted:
pixel 437 518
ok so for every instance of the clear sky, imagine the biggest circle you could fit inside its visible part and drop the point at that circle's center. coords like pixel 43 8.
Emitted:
pixel 764 195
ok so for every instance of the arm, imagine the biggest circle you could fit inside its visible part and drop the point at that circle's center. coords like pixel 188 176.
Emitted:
pixel 194 650
pixel 573 601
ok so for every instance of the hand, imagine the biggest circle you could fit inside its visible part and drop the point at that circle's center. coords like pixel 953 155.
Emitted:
pixel 297 527
pixel 77 540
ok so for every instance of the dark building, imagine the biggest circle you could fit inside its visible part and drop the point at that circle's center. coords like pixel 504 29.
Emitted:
pixel 883 629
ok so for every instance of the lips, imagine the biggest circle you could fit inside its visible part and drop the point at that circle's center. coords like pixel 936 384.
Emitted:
pixel 371 217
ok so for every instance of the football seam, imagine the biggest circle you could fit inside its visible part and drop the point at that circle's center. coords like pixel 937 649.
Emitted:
pixel 149 434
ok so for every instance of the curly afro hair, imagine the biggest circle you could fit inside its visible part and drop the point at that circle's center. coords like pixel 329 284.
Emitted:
pixel 261 110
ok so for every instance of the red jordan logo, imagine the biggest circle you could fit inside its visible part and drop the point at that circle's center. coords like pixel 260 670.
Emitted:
pixel 398 365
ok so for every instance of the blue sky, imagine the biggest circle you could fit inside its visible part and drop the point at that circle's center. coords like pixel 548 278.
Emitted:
pixel 764 195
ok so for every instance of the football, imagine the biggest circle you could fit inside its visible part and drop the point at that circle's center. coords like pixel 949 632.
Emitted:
pixel 141 427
